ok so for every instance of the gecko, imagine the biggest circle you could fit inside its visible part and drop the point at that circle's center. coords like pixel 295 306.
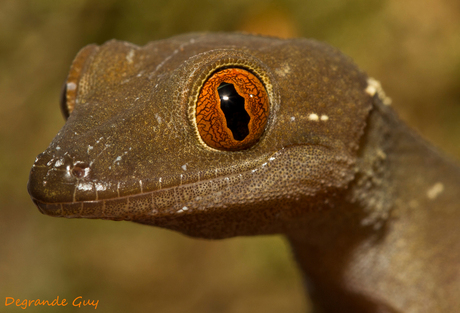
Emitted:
pixel 227 134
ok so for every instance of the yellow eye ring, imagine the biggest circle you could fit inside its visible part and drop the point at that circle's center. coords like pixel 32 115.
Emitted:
pixel 232 109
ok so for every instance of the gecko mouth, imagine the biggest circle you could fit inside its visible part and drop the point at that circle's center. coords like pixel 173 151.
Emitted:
pixel 61 186
pixel 197 196
pixel 112 209
pixel 149 205
pixel 56 193
pixel 220 194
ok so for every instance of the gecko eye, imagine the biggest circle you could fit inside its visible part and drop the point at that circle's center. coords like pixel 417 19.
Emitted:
pixel 67 98
pixel 63 101
pixel 69 90
pixel 232 110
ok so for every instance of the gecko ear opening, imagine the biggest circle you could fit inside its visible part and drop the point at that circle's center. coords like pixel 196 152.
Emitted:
pixel 70 87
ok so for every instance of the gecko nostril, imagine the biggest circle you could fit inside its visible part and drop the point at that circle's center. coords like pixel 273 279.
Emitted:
pixel 80 170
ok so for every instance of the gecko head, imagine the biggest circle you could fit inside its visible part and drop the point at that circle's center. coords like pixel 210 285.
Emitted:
pixel 149 138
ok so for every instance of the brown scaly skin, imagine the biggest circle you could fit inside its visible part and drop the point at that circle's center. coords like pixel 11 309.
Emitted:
pixel 371 210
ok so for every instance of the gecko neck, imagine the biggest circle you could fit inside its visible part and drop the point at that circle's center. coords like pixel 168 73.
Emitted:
pixel 391 242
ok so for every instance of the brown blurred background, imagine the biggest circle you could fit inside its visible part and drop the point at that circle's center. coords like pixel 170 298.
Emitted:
pixel 411 46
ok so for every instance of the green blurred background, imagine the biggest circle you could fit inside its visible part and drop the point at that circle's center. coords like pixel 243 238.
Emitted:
pixel 411 46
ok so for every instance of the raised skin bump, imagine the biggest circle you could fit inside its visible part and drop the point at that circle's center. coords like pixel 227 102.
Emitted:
pixel 371 210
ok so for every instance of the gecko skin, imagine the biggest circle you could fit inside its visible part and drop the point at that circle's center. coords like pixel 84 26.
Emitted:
pixel 371 210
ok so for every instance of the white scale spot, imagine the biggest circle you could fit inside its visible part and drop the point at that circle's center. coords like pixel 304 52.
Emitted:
pixel 58 148
pixel 283 70
pixel 85 186
pixel 292 118
pixel 371 88
pixel 184 167
pixel 158 118
pixel 89 149
pixel 129 56
pixel 182 210
pixel 313 117
pixel 324 117
pixel 435 191
pixel 59 162
pixel 374 87
pixel 71 86
pixel 67 170
pixel 86 172
pixel 100 187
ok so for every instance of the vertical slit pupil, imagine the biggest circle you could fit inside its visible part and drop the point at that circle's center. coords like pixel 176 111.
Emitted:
pixel 232 104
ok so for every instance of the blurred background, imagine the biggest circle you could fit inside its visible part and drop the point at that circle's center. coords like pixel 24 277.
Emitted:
pixel 411 46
